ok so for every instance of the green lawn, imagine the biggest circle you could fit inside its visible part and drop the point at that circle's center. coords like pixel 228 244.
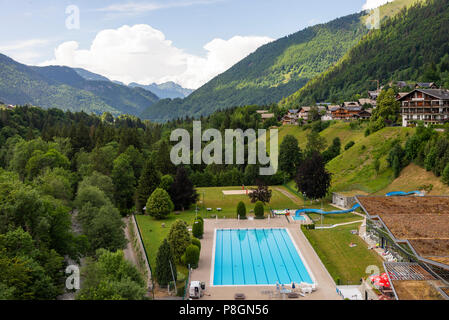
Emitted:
pixel 153 233
pixel 214 198
pixel 343 262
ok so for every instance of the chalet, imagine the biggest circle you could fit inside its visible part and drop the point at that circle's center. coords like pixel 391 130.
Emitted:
pixel 328 115
pixel 347 111
pixel 428 105
pixel 305 111
pixel 293 113
pixel 288 120
pixel 266 116
pixel 261 111
pixel 399 84
pixel 426 85
pixel 373 94
pixel 363 115
pixel 365 101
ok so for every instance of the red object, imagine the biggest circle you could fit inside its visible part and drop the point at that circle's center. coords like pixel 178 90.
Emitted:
pixel 382 281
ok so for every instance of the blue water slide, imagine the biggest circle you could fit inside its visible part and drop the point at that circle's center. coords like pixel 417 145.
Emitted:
pixel 403 194
pixel 391 194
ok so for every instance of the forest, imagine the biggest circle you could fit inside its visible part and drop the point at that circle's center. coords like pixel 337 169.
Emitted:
pixel 410 46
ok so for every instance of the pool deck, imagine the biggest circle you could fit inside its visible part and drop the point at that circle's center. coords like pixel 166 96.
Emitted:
pixel 326 286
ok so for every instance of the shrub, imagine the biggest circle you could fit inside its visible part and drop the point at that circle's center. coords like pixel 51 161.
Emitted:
pixel 179 239
pixel 196 242
pixel 202 224
pixel 192 256
pixel 259 210
pixel 180 291
pixel 159 204
pixel 241 210
pixel 197 229
pixel 349 145
pixel 446 174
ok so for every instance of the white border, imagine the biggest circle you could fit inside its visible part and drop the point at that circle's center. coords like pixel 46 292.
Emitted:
pixel 212 270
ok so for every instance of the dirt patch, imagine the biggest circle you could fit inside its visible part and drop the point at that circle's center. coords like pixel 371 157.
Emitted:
pixel 416 290
pixel 431 248
pixel 444 260
pixel 406 205
pixel 236 192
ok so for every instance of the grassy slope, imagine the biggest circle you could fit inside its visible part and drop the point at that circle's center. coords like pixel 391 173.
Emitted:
pixel 413 177
pixel 354 170
pixel 343 263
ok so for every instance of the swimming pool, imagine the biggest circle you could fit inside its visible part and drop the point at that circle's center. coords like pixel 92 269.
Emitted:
pixel 299 218
pixel 256 257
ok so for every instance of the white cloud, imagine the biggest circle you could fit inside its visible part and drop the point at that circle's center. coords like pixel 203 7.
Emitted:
pixel 371 4
pixel 139 7
pixel 142 54
pixel 23 50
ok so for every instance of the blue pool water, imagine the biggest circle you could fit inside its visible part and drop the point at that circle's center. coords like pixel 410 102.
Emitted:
pixel 257 257
pixel 299 218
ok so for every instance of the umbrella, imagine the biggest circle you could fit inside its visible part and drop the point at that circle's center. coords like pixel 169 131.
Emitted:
pixel 374 278
pixel 383 281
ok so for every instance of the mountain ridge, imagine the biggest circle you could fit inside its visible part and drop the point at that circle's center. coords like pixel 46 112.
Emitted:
pixel 62 87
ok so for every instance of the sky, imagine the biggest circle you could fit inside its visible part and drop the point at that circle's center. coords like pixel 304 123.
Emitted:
pixel 146 41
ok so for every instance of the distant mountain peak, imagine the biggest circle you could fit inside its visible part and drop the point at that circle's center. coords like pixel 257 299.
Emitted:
pixel 165 90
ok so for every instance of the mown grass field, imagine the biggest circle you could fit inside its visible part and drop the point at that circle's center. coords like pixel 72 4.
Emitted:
pixel 214 198
pixel 346 265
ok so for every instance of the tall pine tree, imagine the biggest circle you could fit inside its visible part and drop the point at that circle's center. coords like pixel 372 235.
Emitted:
pixel 148 182
pixel 182 191
pixel 163 270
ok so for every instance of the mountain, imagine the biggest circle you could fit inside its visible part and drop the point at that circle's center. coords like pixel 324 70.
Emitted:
pixel 63 88
pixel 411 46
pixel 165 90
pixel 272 72
pixel 277 69
pixel 90 75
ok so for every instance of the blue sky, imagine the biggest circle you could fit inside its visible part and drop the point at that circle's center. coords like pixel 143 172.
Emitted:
pixel 193 31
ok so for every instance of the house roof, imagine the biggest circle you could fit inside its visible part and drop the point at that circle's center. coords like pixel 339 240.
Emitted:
pixel 425 84
pixel 267 115
pixel 351 104
pixel 333 108
pixel 367 101
pixel 441 94
pixel 261 111
pixel 293 110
